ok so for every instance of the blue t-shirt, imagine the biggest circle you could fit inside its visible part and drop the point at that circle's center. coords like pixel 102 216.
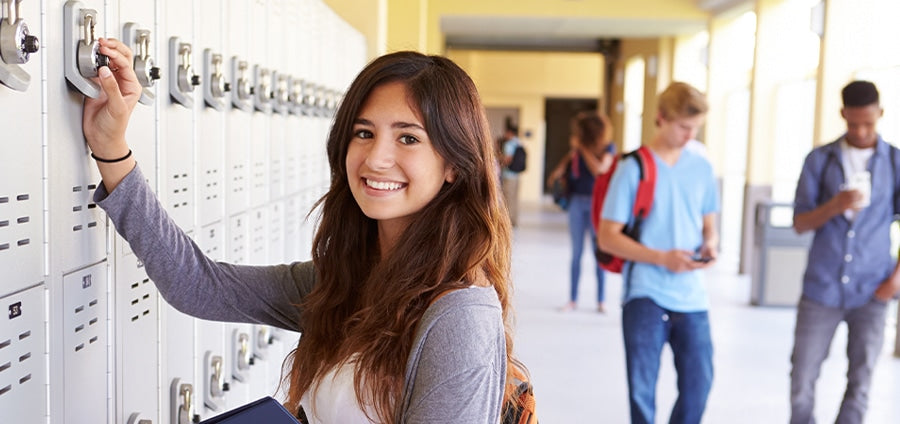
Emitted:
pixel 684 193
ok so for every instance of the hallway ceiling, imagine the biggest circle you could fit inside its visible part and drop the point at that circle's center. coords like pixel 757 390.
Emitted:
pixel 576 33
pixel 556 33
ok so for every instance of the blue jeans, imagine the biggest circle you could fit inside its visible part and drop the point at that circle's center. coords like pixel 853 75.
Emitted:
pixel 815 329
pixel 579 224
pixel 647 327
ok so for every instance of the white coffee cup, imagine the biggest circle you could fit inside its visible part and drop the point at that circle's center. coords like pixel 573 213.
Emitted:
pixel 861 182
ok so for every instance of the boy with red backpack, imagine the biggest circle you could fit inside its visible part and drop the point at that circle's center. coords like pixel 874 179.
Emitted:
pixel 664 298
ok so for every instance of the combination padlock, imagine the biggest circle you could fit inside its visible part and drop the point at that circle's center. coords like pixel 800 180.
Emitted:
pixel 144 66
pixel 16 44
pixel 244 90
pixel 217 84
pixel 187 80
pixel 89 58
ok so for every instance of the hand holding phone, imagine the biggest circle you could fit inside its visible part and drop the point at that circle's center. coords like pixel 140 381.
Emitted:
pixel 699 258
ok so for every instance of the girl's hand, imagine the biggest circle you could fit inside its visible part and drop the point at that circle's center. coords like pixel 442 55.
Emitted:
pixel 105 118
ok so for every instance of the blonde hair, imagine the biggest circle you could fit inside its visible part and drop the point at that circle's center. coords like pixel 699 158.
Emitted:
pixel 681 100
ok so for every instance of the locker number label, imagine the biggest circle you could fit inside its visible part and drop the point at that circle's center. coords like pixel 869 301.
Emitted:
pixel 15 310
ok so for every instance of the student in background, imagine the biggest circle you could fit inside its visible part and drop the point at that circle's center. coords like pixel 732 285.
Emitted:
pixel 665 300
pixel 510 179
pixel 848 193
pixel 405 307
pixel 591 154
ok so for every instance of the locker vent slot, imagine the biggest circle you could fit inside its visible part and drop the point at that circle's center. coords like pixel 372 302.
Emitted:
pixel 92 187
pixel 24 357
pixel 4 223
pixel 93 339
pixel 79 308
pixel 22 197
pixel 93 303
pixel 23 242
pixel 4 199
pixel 5 366
pixel 77 208
pixel 76 189
pixel 92 205
pixel 24 379
pixel 4 246
pixel 79 347
pixel 5 389
pixel 23 220
pixel 24 335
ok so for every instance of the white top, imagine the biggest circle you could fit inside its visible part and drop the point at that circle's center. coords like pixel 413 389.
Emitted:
pixel 335 399
pixel 856 175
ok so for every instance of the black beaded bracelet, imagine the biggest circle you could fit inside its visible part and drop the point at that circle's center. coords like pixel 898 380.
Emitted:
pixel 112 160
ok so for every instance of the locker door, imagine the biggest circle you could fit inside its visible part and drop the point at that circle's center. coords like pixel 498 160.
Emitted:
pixel 182 82
pixel 84 323
pixel 21 186
pixel 213 392
pixel 237 126
pixel 259 233
pixel 23 396
pixel 134 24
pixel 136 346
pixel 276 233
pixel 260 120
pixel 77 227
pixel 292 218
pixel 211 112
pixel 237 242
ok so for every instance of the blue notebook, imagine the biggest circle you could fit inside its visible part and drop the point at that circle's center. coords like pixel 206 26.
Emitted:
pixel 266 410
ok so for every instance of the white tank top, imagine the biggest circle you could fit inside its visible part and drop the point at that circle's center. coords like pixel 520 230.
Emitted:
pixel 333 400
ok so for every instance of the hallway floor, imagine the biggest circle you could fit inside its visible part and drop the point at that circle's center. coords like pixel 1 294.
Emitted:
pixel 577 358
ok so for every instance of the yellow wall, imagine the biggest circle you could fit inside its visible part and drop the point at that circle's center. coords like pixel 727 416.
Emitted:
pixel 523 80
pixel 369 17
pixel 658 56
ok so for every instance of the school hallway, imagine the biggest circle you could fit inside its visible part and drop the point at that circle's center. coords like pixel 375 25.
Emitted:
pixel 577 361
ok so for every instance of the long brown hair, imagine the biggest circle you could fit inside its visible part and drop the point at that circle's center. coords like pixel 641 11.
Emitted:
pixel 368 307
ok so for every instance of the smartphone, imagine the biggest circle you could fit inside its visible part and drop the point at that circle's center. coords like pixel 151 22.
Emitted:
pixel 698 258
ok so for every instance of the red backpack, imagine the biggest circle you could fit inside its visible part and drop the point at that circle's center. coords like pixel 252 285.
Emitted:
pixel 642 203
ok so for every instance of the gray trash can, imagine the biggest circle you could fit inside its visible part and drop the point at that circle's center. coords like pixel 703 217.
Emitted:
pixel 779 256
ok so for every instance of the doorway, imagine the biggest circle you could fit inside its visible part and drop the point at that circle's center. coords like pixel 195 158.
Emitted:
pixel 557 115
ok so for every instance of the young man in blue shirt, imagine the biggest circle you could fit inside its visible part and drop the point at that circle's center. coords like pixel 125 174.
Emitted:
pixel 848 192
pixel 665 300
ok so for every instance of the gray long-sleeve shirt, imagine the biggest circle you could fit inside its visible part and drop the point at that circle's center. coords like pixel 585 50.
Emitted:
pixel 455 371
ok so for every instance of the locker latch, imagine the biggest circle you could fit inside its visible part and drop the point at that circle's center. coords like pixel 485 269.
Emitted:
pixel 144 65
pixel 242 358
pixel 181 74
pixel 215 380
pixel 242 92
pixel 263 340
pixel 182 401
pixel 135 418
pixel 82 56
pixel 218 87
pixel 296 96
pixel 16 44
pixel 281 95
pixel 263 88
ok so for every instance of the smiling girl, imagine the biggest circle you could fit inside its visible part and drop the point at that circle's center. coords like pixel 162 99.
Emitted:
pixel 405 307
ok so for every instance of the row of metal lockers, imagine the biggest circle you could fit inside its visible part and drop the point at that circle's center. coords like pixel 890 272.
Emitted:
pixel 230 131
